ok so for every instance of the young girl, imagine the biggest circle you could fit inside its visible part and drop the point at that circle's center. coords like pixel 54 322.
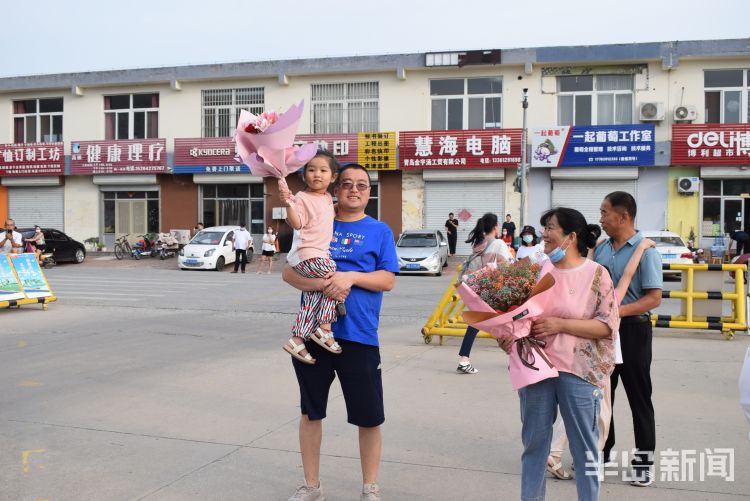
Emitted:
pixel 310 213
pixel 559 438
pixel 267 250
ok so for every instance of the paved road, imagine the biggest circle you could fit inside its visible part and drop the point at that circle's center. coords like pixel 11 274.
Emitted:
pixel 145 382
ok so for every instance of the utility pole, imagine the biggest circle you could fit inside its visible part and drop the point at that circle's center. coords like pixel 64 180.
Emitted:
pixel 522 169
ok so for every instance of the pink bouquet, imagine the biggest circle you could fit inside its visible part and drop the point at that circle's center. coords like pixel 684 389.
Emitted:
pixel 505 302
pixel 265 142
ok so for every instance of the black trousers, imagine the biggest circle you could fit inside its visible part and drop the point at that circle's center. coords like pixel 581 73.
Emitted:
pixel 240 257
pixel 452 238
pixel 635 372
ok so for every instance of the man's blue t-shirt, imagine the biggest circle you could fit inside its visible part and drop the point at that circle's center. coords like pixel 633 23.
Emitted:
pixel 647 276
pixel 365 245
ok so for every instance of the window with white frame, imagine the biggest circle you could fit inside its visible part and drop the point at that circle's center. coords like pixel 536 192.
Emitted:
pixel 131 116
pixel 344 108
pixel 595 99
pixel 38 120
pixel 727 96
pixel 466 103
pixel 221 108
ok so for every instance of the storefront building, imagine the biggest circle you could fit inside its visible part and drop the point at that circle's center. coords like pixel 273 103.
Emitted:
pixel 439 133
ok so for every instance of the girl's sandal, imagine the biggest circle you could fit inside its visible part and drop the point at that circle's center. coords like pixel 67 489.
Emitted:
pixel 556 469
pixel 321 337
pixel 294 350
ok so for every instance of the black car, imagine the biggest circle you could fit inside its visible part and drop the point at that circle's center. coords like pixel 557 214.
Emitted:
pixel 63 247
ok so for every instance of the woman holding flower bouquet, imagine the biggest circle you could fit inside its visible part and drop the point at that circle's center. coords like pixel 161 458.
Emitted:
pixel 579 329
pixel 486 249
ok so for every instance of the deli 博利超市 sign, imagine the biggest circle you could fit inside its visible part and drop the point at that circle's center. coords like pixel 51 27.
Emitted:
pixel 133 156
pixel 593 146
pixel 207 155
pixel 32 159
pixel 711 144
pixel 479 148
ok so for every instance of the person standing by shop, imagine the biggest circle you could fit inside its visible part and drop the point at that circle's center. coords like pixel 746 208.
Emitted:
pixel 618 211
pixel 451 231
pixel 510 226
pixel 268 249
pixel 11 241
pixel 241 240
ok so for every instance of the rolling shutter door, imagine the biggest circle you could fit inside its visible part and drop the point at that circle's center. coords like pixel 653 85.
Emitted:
pixel 476 197
pixel 38 205
pixel 586 196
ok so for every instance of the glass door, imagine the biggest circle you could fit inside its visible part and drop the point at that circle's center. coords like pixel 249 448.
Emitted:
pixel 733 215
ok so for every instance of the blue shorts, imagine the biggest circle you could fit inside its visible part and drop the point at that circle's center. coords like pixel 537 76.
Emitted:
pixel 358 370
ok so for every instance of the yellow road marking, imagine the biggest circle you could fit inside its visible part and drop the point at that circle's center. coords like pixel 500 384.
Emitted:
pixel 22 344
pixel 25 458
pixel 29 384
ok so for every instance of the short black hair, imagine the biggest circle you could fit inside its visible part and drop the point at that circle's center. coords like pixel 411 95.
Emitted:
pixel 623 201
pixel 351 166
pixel 333 164
pixel 572 221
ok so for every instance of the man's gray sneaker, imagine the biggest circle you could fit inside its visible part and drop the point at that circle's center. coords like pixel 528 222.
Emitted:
pixel 370 492
pixel 306 493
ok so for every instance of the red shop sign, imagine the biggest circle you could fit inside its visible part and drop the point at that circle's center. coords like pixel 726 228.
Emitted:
pixel 451 149
pixel 345 147
pixel 711 144
pixel 134 156
pixel 32 159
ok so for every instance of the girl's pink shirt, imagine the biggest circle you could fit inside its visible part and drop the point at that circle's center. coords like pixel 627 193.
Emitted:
pixel 585 292
pixel 313 239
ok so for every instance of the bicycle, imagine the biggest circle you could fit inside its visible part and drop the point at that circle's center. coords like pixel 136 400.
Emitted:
pixel 123 248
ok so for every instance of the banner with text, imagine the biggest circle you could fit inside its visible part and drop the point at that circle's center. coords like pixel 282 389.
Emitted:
pixel 711 144
pixel 135 156
pixel 593 146
pixel 207 155
pixel 450 149
pixel 32 159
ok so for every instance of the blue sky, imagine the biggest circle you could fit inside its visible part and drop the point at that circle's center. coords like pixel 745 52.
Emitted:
pixel 48 36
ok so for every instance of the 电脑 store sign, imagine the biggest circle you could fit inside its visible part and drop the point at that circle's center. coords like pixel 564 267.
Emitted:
pixel 450 149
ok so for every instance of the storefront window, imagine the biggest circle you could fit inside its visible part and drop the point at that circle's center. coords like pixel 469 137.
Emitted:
pixel 131 116
pixel 711 187
pixel 711 217
pixel 595 100
pixel 373 205
pixel 221 108
pixel 38 120
pixel 232 204
pixel 726 96
pixel 344 107
pixel 736 187
pixel 132 212
pixel 461 103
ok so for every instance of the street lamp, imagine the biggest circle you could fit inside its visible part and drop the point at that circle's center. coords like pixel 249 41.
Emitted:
pixel 522 168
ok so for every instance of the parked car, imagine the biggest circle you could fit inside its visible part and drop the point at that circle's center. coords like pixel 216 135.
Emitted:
pixel 63 247
pixel 210 249
pixel 671 248
pixel 422 252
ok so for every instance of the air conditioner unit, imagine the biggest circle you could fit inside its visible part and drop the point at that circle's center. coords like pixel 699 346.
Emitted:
pixel 688 184
pixel 651 111
pixel 684 112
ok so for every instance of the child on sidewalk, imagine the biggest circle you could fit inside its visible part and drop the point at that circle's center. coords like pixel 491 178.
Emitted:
pixel 310 213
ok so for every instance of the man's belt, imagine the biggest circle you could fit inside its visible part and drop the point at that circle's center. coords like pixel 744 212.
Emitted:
pixel 635 319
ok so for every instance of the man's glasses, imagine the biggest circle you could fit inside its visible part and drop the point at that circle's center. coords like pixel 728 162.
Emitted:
pixel 348 185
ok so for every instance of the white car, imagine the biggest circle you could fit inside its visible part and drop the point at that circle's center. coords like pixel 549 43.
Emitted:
pixel 210 249
pixel 422 252
pixel 671 248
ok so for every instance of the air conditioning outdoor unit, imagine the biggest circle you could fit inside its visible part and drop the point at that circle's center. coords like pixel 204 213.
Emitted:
pixel 684 112
pixel 651 111
pixel 688 184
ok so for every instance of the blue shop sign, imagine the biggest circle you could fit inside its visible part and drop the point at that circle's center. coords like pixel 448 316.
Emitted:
pixel 593 146
pixel 211 169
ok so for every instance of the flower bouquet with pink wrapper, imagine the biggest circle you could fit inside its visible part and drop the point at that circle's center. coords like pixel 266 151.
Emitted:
pixel 265 142
pixel 505 302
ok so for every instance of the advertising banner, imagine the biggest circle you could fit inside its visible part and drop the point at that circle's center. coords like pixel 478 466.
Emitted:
pixel 711 144
pixel 10 287
pixel 30 276
pixel 593 146
pixel 135 156
pixel 32 159
pixel 452 149
pixel 207 155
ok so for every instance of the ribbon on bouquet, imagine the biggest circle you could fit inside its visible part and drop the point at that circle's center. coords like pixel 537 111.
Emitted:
pixel 526 347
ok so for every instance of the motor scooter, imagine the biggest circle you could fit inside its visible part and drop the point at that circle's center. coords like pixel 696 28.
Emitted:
pixel 167 245
pixel 144 248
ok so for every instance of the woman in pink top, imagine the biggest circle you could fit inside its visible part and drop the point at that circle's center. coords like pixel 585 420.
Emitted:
pixel 579 328
pixel 311 213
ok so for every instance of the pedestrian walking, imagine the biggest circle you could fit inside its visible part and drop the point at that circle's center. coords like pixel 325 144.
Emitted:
pixel 267 250
pixel 451 231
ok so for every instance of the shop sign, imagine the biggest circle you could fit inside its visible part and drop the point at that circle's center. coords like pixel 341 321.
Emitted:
pixel 207 155
pixel 711 144
pixel 134 156
pixel 451 149
pixel 344 147
pixel 32 159
pixel 593 146
pixel 377 150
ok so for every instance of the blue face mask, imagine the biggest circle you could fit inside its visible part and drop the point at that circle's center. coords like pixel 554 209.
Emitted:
pixel 528 238
pixel 557 255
